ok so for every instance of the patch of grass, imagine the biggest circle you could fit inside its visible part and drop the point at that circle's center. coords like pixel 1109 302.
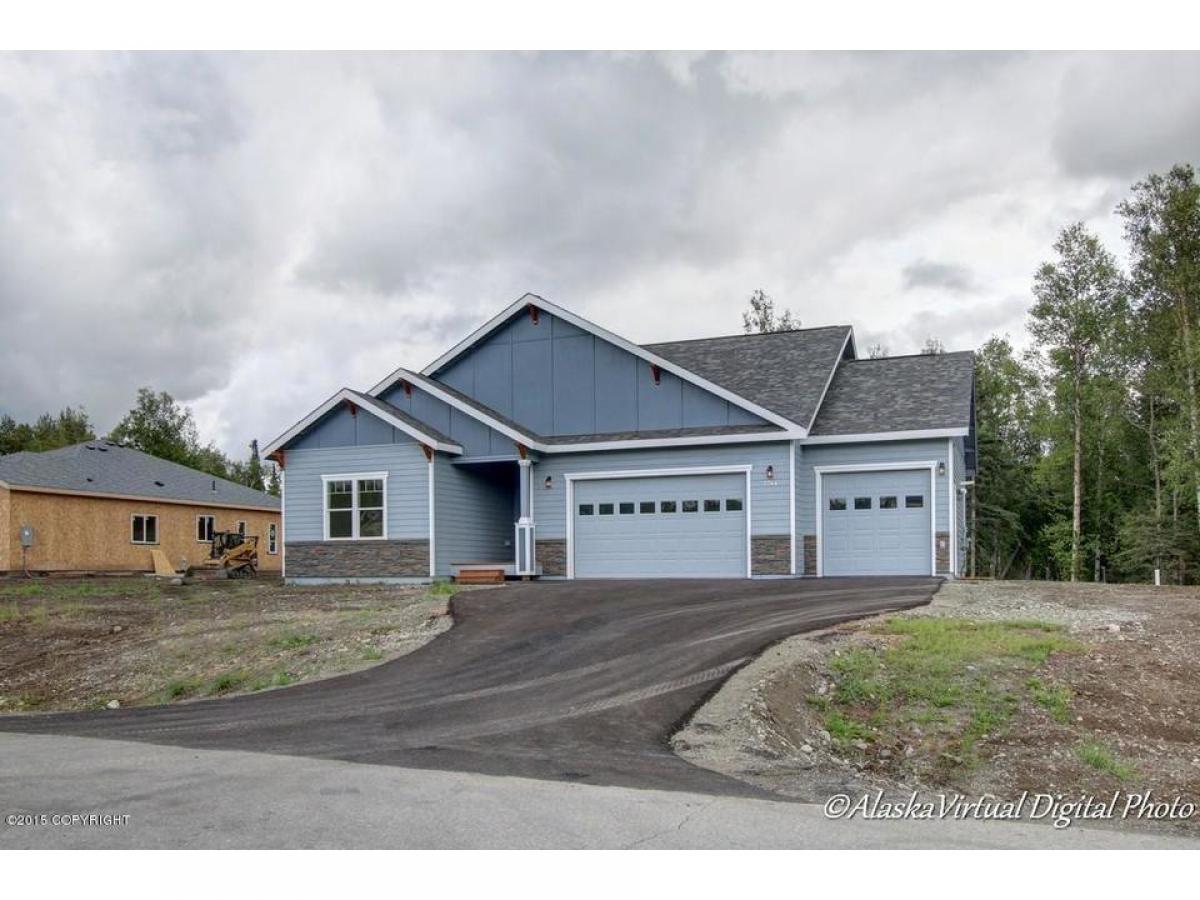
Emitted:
pixel 372 653
pixel 945 673
pixel 10 612
pixel 1054 698
pixel 1101 758
pixel 227 682
pixel 278 679
pixel 293 641
pixel 23 590
pixel 443 589
pixel 179 688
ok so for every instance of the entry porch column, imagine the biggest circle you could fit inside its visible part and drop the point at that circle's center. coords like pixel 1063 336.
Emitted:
pixel 525 546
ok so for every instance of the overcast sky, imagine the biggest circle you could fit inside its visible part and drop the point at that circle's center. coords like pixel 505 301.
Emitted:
pixel 251 233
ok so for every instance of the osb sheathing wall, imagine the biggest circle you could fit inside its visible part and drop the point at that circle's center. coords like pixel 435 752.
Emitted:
pixel 75 533
pixel 4 526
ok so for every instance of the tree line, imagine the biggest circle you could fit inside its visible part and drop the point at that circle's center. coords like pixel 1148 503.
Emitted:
pixel 157 424
pixel 1089 441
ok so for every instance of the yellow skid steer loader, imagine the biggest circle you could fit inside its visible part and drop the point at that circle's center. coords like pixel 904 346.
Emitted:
pixel 235 553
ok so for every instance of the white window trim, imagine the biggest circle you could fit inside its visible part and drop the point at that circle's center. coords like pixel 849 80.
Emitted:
pixel 210 530
pixel 272 545
pixel 571 477
pixel 355 477
pixel 819 495
pixel 144 516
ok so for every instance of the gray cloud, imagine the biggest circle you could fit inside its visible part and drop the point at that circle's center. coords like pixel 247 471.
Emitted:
pixel 251 232
pixel 944 276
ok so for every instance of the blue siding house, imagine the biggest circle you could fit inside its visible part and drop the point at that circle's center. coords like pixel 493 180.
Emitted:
pixel 549 447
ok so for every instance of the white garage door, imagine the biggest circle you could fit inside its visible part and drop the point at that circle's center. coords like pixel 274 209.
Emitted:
pixel 876 523
pixel 677 526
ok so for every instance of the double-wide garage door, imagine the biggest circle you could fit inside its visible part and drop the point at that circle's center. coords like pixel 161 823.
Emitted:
pixel 876 523
pixel 675 526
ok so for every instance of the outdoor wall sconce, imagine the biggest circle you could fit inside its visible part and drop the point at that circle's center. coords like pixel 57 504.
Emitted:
pixel 942 467
pixel 770 473
pixel 549 482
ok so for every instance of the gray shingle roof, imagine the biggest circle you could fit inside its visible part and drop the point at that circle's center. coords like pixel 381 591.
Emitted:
pixel 368 401
pixel 785 372
pixel 106 468
pixel 900 393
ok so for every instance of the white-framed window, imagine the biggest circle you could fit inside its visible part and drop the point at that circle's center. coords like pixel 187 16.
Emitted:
pixel 355 506
pixel 272 539
pixel 143 529
pixel 205 525
pixel 240 528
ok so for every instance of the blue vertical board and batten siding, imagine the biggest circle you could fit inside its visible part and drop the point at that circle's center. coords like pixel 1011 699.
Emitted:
pixel 342 428
pixel 407 487
pixel 474 518
pixel 475 438
pixel 769 513
pixel 556 379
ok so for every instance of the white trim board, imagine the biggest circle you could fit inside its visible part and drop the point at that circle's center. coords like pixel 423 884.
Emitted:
pixel 579 322
pixel 432 522
pixel 819 500
pixel 872 437
pixel 571 477
pixel 368 405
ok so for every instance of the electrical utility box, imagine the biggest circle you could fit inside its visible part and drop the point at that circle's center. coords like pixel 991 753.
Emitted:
pixel 26 535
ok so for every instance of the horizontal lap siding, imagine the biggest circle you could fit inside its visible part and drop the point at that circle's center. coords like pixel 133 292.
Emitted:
pixel 407 487
pixel 769 499
pixel 474 519
pixel 808 457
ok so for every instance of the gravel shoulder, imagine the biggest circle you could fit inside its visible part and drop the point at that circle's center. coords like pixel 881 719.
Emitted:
pixel 1107 699
pixel 91 643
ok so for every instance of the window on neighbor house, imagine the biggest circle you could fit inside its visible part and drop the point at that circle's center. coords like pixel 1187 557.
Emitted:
pixel 272 539
pixel 241 528
pixel 354 508
pixel 144 530
pixel 204 528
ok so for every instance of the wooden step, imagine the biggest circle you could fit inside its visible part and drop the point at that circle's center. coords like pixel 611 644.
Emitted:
pixel 480 576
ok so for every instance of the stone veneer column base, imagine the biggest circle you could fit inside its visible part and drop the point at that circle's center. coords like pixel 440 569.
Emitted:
pixel 357 559
pixel 810 554
pixel 770 554
pixel 942 546
pixel 552 555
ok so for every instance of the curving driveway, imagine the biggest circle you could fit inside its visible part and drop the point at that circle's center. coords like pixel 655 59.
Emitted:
pixel 579 681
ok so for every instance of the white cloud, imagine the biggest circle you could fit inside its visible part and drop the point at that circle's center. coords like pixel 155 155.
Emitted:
pixel 252 232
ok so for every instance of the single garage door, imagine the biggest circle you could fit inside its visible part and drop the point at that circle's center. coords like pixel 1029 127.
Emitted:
pixel 678 526
pixel 876 523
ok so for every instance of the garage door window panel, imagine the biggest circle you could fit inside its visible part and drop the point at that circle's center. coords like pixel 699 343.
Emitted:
pixel 626 509
pixel 712 505
pixel 646 507
pixel 606 509
pixel 667 506
pixel 691 506
pixel 914 501
pixel 887 502
pixel 733 504
pixel 837 504
pixel 861 503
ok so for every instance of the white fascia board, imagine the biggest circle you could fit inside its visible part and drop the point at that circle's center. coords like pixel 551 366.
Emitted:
pixel 579 322
pixel 833 371
pixel 884 436
pixel 347 395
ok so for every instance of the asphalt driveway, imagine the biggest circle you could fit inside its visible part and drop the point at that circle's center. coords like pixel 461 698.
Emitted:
pixel 571 681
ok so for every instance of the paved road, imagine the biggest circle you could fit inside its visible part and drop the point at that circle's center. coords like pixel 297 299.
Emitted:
pixel 180 798
pixel 569 681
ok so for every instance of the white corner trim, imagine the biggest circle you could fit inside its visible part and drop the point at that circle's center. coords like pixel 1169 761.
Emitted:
pixel 952 499
pixel 352 477
pixel 819 495
pixel 792 501
pixel 367 404
pixel 579 322
pixel 571 477
pixel 871 437
pixel 283 523
pixel 832 371
pixel 432 521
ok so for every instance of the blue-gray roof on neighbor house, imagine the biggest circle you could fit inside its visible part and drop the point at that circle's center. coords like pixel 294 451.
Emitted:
pixel 104 467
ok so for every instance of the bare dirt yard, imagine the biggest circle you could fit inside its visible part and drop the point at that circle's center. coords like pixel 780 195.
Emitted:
pixel 68 644
pixel 996 688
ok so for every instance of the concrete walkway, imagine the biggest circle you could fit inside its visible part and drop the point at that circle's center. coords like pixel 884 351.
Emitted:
pixel 184 798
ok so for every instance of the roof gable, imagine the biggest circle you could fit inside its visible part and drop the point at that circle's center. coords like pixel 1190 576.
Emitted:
pixel 104 467
pixel 527 323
